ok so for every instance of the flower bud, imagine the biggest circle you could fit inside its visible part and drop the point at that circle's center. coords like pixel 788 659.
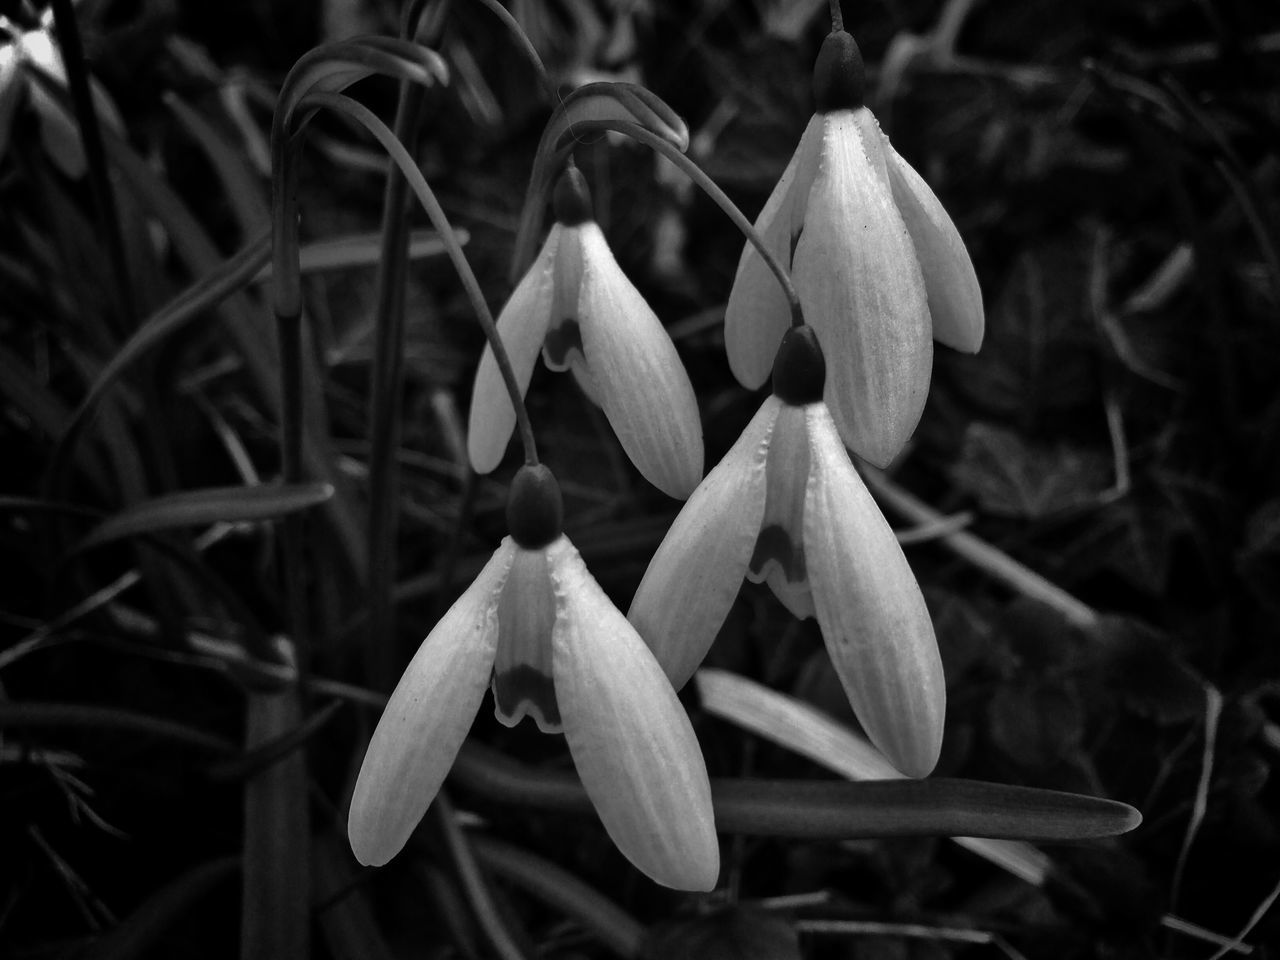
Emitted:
pixel 571 200
pixel 535 510
pixel 839 77
pixel 799 369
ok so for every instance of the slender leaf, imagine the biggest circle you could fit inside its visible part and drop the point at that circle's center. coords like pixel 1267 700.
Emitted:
pixel 189 508
pixel 834 809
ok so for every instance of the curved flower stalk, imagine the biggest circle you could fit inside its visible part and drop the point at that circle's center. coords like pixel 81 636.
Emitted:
pixel 577 307
pixel 880 268
pixel 536 627
pixel 786 507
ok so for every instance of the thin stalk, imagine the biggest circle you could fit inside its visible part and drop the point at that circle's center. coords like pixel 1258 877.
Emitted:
pixel 837 18
pixel 709 187
pixel 112 237
pixel 524 44
pixel 418 183
pixel 286 288
pixel 387 387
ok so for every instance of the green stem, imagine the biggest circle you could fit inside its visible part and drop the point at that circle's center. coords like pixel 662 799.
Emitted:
pixel 387 388
pixel 418 183
pixel 712 190
pixel 837 18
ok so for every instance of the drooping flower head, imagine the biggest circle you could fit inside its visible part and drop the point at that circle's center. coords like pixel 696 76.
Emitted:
pixel 786 507
pixel 577 306
pixel 879 267
pixel 536 627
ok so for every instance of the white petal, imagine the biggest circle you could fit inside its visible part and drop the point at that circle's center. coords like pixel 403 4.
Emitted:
pixel 955 299
pixel 427 718
pixel 631 740
pixel 695 574
pixel 778 557
pixel 522 675
pixel 641 383
pixel 872 614
pixel 757 314
pixel 522 326
pixel 860 284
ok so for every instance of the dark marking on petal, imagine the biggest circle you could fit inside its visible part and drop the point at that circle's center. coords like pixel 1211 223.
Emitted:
pixel 795 242
pixel 524 684
pixel 775 543
pixel 562 339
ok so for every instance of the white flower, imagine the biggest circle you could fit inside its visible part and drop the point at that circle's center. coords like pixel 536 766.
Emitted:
pixel 28 50
pixel 577 306
pixel 556 648
pixel 879 267
pixel 786 506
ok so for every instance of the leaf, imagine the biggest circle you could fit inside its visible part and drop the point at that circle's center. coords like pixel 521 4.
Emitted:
pixel 138 933
pixel 1012 477
pixel 823 809
pixel 207 506
pixel 1038 357
pixel 799 727
pixel 736 933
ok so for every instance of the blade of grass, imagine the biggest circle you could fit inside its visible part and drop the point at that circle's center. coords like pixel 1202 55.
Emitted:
pixel 189 508
pixel 138 934
pixel 616 929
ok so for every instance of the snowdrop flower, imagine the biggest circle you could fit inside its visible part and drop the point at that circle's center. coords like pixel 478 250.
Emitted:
pixel 576 304
pixel 557 650
pixel 786 507
pixel 22 51
pixel 879 267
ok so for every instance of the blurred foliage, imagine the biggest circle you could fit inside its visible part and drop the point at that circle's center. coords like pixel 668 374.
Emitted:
pixel 1113 168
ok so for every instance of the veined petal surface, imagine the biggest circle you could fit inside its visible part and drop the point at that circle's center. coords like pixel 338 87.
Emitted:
pixel 757 314
pixel 873 617
pixel 522 676
pixel 860 284
pixel 642 385
pixel 427 718
pixel 955 299
pixel 630 739
pixel 694 576
pixel 522 326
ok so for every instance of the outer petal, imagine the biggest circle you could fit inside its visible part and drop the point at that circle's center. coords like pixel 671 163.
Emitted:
pixel 872 614
pixel 757 314
pixel 955 299
pixel 631 740
pixel 427 718
pixel 522 325
pixel 695 574
pixel 856 272
pixel 634 367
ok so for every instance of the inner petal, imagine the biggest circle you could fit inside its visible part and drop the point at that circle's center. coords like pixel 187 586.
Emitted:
pixel 778 558
pixel 522 678
pixel 563 343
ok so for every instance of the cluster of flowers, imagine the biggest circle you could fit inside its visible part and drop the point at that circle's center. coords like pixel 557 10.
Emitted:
pixel 880 272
